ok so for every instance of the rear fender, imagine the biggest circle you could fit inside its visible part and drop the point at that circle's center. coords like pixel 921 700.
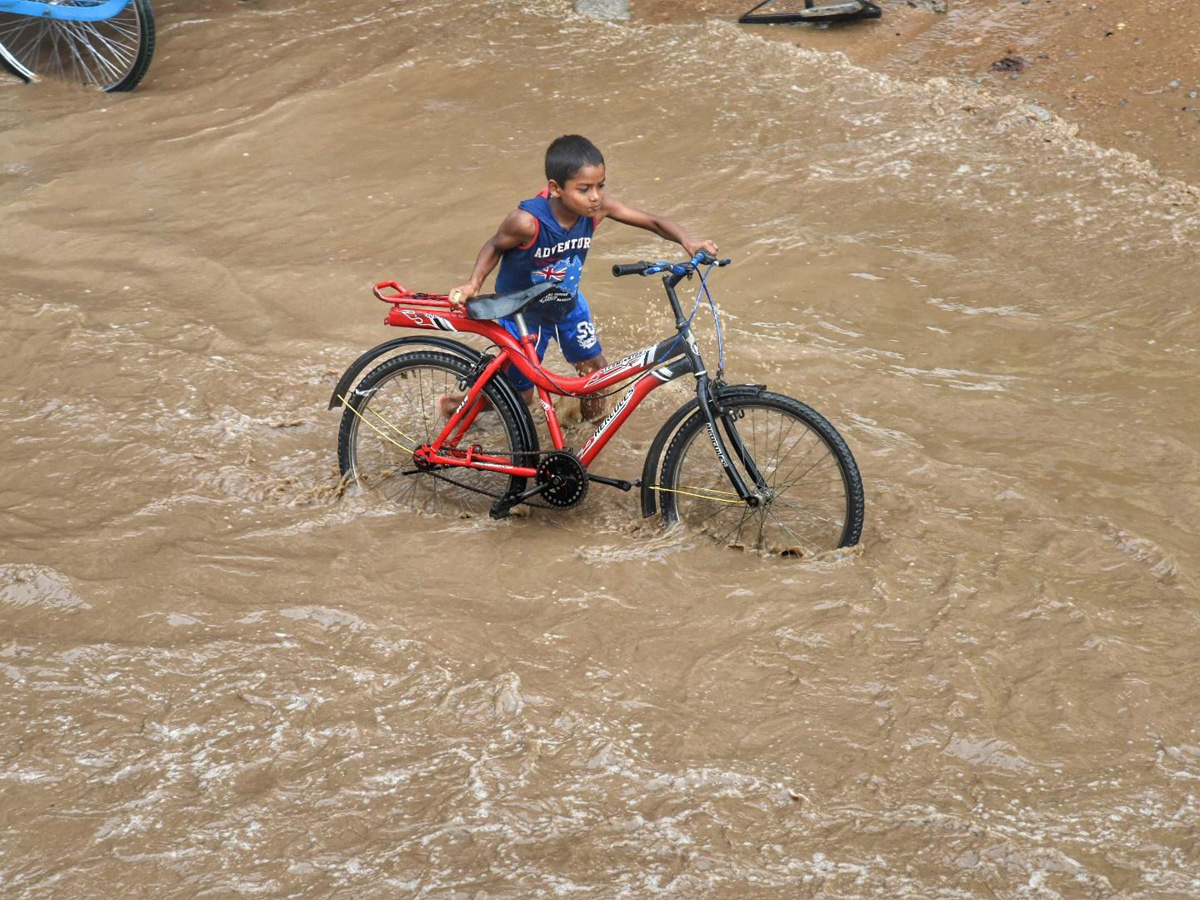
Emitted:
pixel 454 348
pixel 650 469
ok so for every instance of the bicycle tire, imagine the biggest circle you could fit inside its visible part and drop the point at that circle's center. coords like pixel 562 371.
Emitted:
pixel 36 47
pixel 696 491
pixel 9 67
pixel 384 421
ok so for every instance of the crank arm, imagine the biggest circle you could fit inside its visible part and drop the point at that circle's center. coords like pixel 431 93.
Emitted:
pixel 501 507
pixel 618 483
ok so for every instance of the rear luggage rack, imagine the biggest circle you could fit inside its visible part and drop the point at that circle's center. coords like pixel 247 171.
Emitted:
pixel 414 309
pixel 396 294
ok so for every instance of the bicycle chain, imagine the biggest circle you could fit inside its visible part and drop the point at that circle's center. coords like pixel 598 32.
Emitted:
pixel 474 374
pixel 465 384
pixel 467 487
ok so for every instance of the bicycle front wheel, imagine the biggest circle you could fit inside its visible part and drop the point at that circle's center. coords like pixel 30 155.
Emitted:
pixel 813 499
pixel 396 408
pixel 112 54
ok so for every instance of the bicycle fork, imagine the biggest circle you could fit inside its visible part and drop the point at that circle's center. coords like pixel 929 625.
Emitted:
pixel 711 409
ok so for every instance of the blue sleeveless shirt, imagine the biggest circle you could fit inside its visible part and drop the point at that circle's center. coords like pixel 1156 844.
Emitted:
pixel 555 253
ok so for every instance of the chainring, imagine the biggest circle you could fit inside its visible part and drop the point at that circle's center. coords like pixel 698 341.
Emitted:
pixel 562 467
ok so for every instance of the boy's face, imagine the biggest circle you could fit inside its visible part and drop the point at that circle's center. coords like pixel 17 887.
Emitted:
pixel 582 192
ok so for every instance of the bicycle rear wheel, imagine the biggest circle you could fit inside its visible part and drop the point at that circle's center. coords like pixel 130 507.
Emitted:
pixel 111 54
pixel 814 496
pixel 394 410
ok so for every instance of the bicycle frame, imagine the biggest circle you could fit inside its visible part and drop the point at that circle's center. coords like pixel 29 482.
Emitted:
pixel 435 312
pixel 43 10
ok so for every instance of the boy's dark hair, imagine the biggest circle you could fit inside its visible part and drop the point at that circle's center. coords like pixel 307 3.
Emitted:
pixel 568 154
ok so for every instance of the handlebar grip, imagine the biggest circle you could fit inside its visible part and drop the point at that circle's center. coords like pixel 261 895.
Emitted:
pixel 637 268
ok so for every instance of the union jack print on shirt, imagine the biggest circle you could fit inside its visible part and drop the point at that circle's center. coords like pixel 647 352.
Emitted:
pixel 566 272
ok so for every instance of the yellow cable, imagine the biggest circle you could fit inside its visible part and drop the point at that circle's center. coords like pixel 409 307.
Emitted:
pixel 656 487
pixel 653 487
pixel 387 438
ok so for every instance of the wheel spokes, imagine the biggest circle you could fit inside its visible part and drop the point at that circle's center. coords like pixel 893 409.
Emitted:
pixel 803 507
pixel 408 401
pixel 96 54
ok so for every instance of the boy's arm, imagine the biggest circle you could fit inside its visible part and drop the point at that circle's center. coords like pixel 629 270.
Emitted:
pixel 660 225
pixel 517 230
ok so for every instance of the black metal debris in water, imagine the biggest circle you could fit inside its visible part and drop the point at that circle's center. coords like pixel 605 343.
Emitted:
pixel 832 11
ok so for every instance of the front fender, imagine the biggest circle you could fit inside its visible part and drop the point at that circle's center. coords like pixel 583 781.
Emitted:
pixel 650 467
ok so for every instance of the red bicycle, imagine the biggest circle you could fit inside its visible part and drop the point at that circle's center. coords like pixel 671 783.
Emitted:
pixel 749 467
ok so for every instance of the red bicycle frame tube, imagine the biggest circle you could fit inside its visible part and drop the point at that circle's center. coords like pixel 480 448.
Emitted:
pixel 434 312
pixel 575 386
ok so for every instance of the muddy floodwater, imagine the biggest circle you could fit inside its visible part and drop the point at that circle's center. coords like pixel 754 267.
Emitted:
pixel 220 677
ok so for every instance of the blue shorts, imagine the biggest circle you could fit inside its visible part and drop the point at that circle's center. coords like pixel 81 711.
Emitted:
pixel 576 336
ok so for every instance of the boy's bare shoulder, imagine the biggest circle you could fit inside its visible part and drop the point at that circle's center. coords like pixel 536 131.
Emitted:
pixel 522 218
pixel 519 226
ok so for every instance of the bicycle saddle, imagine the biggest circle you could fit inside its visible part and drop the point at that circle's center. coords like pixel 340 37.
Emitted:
pixel 545 296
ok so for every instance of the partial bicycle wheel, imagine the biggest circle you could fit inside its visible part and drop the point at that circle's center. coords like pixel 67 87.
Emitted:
pixel 814 496
pixel 110 54
pixel 395 409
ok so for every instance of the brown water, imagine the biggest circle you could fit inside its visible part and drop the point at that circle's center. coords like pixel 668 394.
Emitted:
pixel 218 678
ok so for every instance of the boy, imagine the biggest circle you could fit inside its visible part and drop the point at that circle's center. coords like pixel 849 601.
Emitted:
pixel 547 238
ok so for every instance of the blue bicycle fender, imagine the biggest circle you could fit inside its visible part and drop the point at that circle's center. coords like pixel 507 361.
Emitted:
pixel 38 10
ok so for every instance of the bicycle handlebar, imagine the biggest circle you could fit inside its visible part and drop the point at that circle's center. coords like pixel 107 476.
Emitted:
pixel 637 268
pixel 703 258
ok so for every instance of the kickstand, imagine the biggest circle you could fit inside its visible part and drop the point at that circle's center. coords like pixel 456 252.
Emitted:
pixel 501 508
